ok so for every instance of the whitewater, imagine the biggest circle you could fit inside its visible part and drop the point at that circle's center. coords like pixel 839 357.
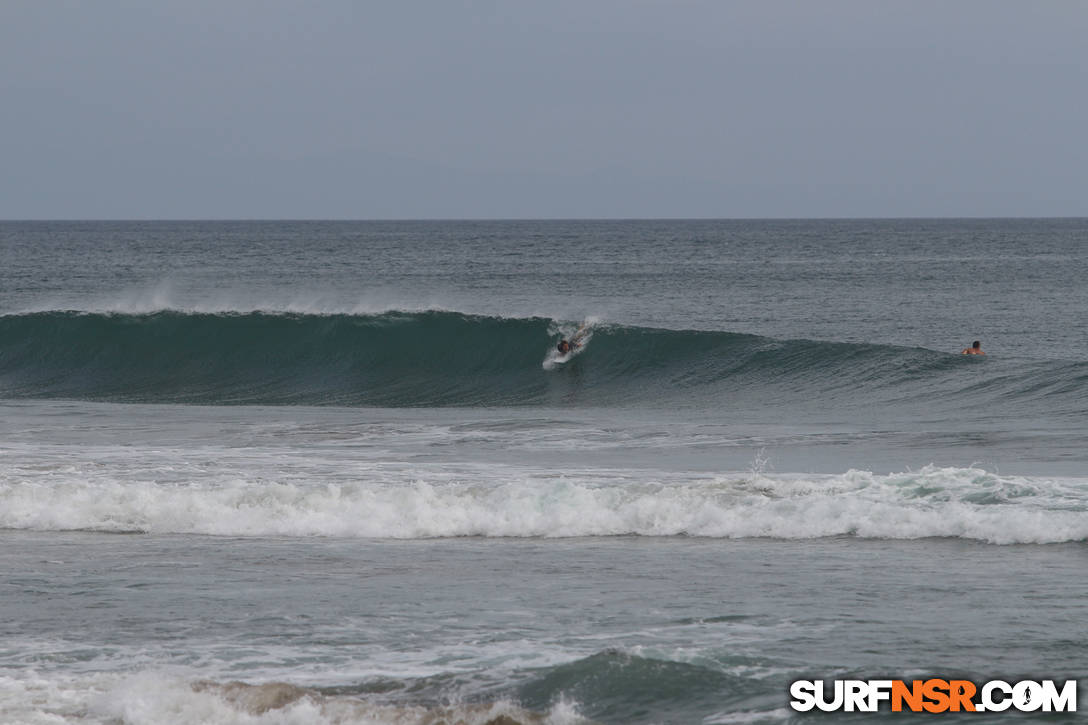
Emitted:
pixel 376 476
pixel 286 472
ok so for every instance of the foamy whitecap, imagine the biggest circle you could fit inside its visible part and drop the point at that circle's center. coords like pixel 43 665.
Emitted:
pixel 510 502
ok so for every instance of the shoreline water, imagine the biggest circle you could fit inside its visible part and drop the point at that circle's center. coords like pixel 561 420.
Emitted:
pixel 380 623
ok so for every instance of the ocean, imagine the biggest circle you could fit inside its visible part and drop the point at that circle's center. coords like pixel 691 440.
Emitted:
pixel 331 472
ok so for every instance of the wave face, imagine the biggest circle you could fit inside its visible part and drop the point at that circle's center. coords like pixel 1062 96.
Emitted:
pixel 391 359
pixel 437 358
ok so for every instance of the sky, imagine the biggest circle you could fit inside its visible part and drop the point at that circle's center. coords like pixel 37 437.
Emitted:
pixel 333 109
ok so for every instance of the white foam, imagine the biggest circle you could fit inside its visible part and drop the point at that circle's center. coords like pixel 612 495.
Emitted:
pixel 156 698
pixel 360 499
pixel 30 698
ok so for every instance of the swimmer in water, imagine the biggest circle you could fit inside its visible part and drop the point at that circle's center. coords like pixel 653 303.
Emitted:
pixel 564 347
pixel 975 349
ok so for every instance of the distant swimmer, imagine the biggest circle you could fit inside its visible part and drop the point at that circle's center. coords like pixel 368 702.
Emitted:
pixel 975 349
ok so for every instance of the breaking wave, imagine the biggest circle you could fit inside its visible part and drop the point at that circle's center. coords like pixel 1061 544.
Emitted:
pixel 439 358
pixel 962 503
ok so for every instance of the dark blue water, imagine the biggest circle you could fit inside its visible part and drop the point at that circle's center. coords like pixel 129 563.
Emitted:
pixel 333 472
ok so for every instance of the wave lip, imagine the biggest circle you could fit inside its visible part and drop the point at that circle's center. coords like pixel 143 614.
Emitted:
pixel 933 502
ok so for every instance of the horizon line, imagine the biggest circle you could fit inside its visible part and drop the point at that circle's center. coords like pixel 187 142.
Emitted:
pixel 301 219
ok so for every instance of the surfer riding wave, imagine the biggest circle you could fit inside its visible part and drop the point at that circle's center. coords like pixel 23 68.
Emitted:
pixel 568 347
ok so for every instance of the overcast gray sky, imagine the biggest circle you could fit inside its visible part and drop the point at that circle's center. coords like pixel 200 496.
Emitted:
pixel 550 108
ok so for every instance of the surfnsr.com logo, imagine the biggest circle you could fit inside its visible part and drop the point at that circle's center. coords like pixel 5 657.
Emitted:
pixel 933 695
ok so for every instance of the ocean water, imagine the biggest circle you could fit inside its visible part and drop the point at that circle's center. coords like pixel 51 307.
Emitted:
pixel 330 472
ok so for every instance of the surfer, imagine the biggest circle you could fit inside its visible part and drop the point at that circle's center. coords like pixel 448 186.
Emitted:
pixel 975 349
pixel 565 346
